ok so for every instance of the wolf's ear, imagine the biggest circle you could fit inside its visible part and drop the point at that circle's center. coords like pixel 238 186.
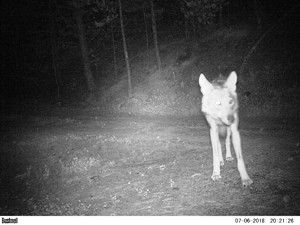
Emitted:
pixel 231 81
pixel 205 85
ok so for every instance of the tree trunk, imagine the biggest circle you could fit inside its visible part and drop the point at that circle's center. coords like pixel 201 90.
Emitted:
pixel 114 48
pixel 155 35
pixel 125 50
pixel 85 56
pixel 194 28
pixel 258 13
pixel 146 29
pixel 221 19
pixel 53 48
pixel 186 28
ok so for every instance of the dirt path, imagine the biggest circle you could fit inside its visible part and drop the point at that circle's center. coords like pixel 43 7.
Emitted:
pixel 87 165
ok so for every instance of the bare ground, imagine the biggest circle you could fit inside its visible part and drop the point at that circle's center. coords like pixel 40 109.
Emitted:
pixel 121 165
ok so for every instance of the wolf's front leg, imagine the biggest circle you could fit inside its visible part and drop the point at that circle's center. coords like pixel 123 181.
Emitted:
pixel 229 158
pixel 215 143
pixel 236 139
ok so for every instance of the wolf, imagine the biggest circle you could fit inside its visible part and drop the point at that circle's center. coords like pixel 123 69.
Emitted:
pixel 220 107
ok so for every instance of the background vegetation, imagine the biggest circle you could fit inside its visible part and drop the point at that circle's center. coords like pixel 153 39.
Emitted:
pixel 71 53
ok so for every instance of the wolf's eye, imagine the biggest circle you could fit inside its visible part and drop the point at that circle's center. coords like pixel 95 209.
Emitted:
pixel 230 102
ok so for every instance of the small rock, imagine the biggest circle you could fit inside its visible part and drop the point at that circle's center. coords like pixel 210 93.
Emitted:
pixel 286 198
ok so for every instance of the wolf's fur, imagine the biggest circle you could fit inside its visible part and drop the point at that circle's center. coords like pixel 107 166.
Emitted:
pixel 220 106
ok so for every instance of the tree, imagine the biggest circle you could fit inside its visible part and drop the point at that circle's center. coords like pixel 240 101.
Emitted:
pixel 54 51
pixel 125 50
pixel 199 12
pixel 155 35
pixel 258 12
pixel 78 8
pixel 81 8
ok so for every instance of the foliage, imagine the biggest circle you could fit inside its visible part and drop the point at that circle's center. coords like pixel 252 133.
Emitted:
pixel 101 13
pixel 201 11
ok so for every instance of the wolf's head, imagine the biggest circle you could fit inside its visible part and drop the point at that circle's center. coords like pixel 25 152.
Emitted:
pixel 220 99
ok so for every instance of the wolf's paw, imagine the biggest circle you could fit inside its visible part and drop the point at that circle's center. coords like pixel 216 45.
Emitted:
pixel 221 163
pixel 216 177
pixel 247 182
pixel 229 159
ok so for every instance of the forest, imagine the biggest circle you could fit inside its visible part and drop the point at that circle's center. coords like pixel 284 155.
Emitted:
pixel 84 53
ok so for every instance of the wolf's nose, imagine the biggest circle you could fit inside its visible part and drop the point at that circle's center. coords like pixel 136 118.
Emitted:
pixel 230 118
